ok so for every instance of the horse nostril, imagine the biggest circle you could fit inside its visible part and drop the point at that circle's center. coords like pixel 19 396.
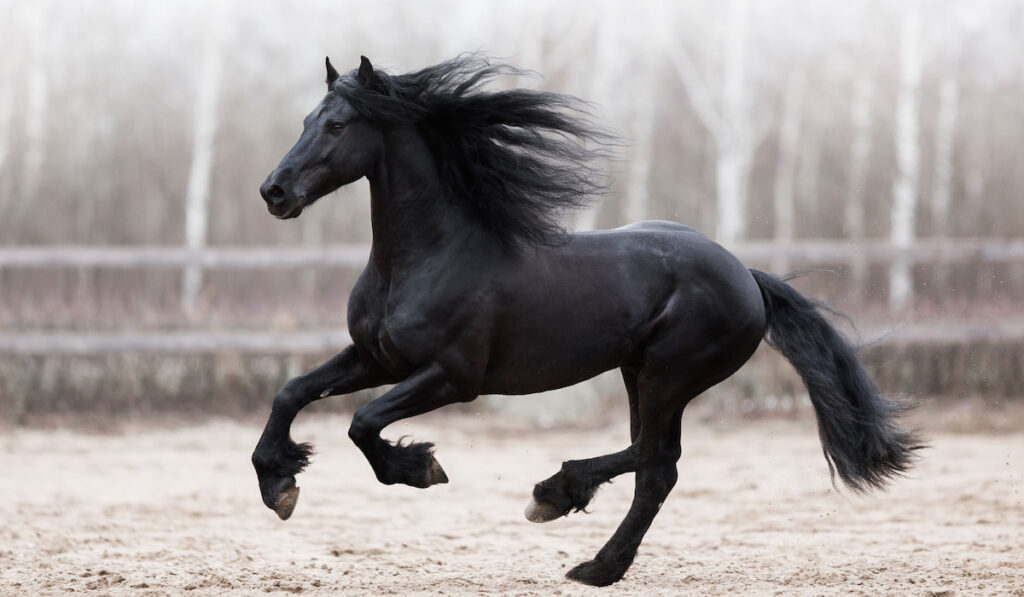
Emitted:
pixel 273 194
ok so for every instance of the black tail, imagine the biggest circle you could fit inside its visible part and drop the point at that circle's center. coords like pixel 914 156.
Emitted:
pixel 859 434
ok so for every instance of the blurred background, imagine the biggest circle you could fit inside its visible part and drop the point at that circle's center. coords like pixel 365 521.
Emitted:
pixel 876 144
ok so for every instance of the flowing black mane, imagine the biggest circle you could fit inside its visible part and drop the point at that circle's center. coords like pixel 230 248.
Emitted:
pixel 515 159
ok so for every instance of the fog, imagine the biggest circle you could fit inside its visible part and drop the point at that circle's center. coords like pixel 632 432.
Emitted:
pixel 858 133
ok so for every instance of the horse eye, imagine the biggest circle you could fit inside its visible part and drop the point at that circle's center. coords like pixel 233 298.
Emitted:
pixel 336 126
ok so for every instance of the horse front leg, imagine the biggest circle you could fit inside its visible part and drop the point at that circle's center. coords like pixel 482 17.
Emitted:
pixel 277 459
pixel 412 464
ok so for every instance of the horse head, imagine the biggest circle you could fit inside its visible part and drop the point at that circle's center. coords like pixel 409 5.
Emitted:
pixel 337 146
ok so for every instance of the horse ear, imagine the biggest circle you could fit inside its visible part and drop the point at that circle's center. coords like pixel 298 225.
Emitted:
pixel 332 75
pixel 365 75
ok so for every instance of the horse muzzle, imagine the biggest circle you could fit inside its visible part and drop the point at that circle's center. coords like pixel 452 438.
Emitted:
pixel 281 203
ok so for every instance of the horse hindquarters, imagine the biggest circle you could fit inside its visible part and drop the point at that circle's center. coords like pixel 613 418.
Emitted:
pixel 701 339
pixel 859 434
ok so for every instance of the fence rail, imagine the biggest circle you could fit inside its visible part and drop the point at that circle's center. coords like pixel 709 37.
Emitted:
pixel 181 257
pixel 307 342
pixel 298 342
pixel 169 257
pixel 953 250
pixel 956 250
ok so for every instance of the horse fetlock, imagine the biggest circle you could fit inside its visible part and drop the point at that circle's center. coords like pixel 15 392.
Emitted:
pixel 564 492
pixel 411 464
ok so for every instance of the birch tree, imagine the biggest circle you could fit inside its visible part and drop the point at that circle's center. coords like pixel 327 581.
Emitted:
pixel 725 114
pixel 785 168
pixel 37 88
pixel 6 114
pixel 638 174
pixel 197 195
pixel 732 135
pixel 905 188
pixel 606 72
pixel 942 178
pixel 860 159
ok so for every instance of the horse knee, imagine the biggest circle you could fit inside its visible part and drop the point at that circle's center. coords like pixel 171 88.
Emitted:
pixel 290 398
pixel 361 427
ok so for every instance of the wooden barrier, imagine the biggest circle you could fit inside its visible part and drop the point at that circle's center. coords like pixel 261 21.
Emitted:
pixel 307 342
pixel 802 252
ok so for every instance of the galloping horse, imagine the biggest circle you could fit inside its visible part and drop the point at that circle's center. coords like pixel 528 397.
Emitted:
pixel 472 287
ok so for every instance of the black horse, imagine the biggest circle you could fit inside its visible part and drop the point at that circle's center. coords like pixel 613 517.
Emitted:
pixel 473 288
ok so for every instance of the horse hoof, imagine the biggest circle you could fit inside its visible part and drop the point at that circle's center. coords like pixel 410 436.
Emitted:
pixel 595 574
pixel 542 512
pixel 285 501
pixel 435 473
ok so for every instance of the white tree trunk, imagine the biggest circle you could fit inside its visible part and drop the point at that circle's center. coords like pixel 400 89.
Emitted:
pixel 641 160
pixel 198 192
pixel 808 174
pixel 6 114
pixel 860 159
pixel 728 121
pixel 785 167
pixel 945 128
pixel 37 90
pixel 730 170
pixel 733 139
pixel 607 57
pixel 905 188
pixel 976 159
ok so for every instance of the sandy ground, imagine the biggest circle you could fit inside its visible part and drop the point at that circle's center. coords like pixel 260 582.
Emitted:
pixel 154 512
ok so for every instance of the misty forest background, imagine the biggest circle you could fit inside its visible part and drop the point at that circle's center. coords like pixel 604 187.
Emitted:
pixel 878 142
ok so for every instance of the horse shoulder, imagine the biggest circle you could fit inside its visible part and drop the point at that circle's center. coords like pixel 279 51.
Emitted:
pixel 366 308
pixel 442 315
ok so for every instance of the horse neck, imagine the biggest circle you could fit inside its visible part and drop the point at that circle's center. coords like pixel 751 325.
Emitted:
pixel 411 215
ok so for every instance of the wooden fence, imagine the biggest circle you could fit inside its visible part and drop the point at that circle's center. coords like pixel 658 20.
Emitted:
pixel 807 252
pixel 798 254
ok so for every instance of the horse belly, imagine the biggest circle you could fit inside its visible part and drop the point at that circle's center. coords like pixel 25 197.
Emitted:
pixel 553 352
pixel 525 375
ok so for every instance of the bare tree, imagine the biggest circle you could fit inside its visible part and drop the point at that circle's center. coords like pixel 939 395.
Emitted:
pixel 942 178
pixel 727 119
pixel 905 188
pixel 860 154
pixel 37 85
pixel 785 168
pixel 608 41
pixel 733 136
pixel 197 196
pixel 6 114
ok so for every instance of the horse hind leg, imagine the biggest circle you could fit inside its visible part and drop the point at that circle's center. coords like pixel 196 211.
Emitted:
pixel 653 484
pixel 662 393
pixel 629 378
pixel 572 487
